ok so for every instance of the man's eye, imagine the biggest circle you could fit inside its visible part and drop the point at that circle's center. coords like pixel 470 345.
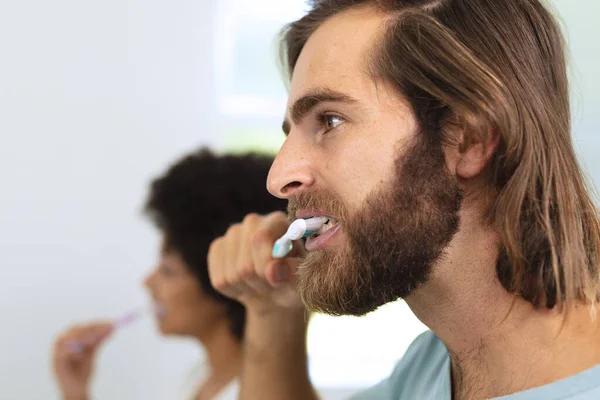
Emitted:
pixel 334 122
pixel 330 121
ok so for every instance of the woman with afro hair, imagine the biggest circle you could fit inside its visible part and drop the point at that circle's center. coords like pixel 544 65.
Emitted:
pixel 193 203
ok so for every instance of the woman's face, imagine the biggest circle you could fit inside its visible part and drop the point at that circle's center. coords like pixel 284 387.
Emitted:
pixel 182 306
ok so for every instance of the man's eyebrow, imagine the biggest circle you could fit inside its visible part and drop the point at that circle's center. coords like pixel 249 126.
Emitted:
pixel 306 103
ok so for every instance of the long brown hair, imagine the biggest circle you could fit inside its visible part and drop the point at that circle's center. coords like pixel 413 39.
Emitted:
pixel 495 66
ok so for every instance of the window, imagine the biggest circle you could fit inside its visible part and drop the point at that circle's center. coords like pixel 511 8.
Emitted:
pixel 344 352
pixel 250 92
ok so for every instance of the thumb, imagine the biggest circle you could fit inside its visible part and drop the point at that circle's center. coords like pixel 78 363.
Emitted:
pixel 282 272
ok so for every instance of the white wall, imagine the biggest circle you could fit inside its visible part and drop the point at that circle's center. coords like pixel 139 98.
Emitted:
pixel 95 98
pixel 581 21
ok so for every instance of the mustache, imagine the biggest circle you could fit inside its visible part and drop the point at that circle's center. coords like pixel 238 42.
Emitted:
pixel 317 200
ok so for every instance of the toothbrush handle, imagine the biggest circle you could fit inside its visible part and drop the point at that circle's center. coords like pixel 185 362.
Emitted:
pixel 77 346
pixel 127 319
pixel 281 248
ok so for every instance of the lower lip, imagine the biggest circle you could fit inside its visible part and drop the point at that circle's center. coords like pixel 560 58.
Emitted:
pixel 320 241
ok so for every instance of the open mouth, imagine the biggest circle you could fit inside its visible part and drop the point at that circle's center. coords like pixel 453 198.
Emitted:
pixel 324 236
pixel 329 224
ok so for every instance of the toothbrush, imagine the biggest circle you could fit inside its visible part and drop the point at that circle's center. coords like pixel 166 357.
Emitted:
pixel 298 229
pixel 77 346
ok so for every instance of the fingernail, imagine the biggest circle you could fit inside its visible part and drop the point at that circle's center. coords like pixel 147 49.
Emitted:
pixel 281 273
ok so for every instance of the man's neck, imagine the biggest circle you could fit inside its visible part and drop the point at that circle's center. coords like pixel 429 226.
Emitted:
pixel 498 343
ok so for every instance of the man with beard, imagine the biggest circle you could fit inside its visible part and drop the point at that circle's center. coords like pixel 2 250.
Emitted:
pixel 435 137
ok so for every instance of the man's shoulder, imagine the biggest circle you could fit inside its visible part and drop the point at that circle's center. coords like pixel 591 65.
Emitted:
pixel 423 372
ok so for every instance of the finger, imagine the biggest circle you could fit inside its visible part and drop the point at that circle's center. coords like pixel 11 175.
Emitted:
pixel 77 332
pixel 242 271
pixel 282 272
pixel 272 228
pixel 216 261
pixel 87 337
pixel 282 275
pixel 248 269
pixel 233 286
pixel 80 343
pixel 258 285
pixel 245 262
pixel 298 249
pixel 218 265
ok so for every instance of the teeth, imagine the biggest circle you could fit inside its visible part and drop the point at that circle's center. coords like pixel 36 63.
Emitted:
pixel 331 223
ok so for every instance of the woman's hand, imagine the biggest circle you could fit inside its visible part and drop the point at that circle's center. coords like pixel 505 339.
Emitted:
pixel 73 358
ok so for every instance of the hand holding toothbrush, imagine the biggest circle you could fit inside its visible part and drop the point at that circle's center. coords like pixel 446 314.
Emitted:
pixel 74 369
pixel 255 262
pixel 75 350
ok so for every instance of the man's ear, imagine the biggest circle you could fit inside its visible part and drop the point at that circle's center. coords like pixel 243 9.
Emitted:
pixel 475 152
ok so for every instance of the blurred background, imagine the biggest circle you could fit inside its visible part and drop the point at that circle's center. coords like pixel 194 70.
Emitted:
pixel 97 97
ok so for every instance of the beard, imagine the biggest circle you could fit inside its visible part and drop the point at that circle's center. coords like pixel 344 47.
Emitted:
pixel 391 243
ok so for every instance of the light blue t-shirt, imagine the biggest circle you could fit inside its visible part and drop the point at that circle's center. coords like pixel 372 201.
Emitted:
pixel 424 374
